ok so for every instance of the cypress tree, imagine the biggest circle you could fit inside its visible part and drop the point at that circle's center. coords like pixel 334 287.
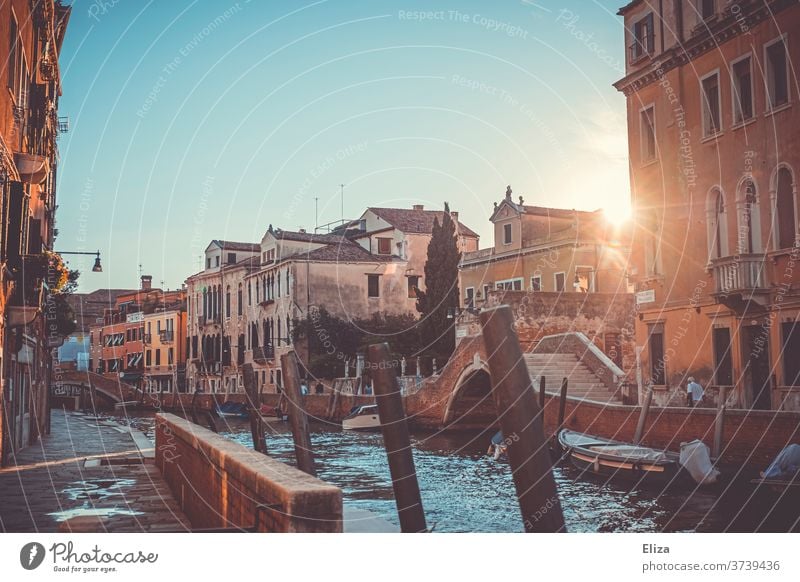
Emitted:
pixel 437 332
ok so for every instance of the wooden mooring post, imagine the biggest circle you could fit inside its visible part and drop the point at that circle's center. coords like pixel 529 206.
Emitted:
pixel 396 439
pixel 297 414
pixel 542 384
pixel 648 398
pixel 253 408
pixel 719 422
pixel 562 405
pixel 521 424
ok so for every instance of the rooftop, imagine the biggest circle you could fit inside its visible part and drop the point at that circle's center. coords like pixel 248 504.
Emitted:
pixel 416 220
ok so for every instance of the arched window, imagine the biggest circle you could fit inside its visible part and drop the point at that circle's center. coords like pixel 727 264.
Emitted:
pixel 785 209
pixel 279 327
pixel 228 302
pixel 749 237
pixel 717 223
pixel 249 293
pixel 239 301
pixel 258 293
pixel 279 285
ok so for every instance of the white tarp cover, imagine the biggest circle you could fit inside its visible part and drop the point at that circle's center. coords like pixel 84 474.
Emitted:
pixel 696 458
pixel 786 464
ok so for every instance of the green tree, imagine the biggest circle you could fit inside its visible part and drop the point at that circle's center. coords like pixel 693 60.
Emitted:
pixel 440 298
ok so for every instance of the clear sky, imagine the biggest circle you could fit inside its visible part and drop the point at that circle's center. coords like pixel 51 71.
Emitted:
pixel 200 119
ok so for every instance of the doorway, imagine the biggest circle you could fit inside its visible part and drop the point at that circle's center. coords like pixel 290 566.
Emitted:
pixel 755 342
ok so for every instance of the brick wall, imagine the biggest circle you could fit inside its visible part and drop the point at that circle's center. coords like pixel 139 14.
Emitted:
pixel 219 483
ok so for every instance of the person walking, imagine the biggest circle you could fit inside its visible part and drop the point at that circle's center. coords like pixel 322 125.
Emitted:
pixel 694 393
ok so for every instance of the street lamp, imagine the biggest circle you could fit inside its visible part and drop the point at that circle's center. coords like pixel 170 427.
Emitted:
pixel 97 268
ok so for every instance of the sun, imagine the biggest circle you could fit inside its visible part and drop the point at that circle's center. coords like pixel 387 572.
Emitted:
pixel 618 214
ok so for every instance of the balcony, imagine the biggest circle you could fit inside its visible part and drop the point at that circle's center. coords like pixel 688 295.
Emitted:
pixel 740 281
pixel 147 338
pixel 203 321
pixel 167 336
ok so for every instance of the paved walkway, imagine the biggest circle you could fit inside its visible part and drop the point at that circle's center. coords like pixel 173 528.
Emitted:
pixel 87 469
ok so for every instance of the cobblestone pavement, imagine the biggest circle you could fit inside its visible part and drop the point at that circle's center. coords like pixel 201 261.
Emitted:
pixel 89 470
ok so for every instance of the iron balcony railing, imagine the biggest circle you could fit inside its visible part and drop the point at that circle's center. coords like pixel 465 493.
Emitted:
pixel 740 273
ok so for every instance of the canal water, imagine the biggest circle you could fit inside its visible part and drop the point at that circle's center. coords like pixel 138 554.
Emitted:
pixel 465 490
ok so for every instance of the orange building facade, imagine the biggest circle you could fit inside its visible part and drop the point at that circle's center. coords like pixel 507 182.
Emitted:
pixel 714 149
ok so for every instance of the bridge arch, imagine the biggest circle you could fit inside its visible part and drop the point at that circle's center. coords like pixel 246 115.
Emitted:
pixel 471 402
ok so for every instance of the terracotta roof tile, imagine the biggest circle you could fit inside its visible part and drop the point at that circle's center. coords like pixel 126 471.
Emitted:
pixel 416 221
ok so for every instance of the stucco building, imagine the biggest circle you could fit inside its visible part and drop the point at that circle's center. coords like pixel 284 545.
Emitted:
pixel 248 300
pixel 32 35
pixel 714 148
pixel 544 249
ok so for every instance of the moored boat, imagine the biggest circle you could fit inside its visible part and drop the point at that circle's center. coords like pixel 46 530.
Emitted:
pixel 620 460
pixel 362 418
pixel 232 409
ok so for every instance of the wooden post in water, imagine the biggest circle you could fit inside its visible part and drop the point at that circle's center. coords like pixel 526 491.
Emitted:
pixel 396 440
pixel 542 384
pixel 253 401
pixel 521 423
pixel 648 398
pixel 719 422
pixel 297 414
pixel 562 405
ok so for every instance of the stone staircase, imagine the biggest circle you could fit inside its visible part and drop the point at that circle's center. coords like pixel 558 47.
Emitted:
pixel 583 383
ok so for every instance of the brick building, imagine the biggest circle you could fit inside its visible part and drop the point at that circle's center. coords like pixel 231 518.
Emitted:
pixel 714 148
pixel 543 249
pixel 32 34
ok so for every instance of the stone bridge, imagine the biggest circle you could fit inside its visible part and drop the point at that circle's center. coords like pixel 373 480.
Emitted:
pixel 110 390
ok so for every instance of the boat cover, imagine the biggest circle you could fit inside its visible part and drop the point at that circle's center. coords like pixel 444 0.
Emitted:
pixel 631 452
pixel 696 458
pixel 786 464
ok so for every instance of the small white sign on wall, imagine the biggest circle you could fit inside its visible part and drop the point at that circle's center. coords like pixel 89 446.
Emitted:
pixel 648 296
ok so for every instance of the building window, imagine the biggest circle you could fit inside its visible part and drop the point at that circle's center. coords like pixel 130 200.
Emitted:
pixel 239 300
pixel 231 258
pixel 643 38
pixel 536 283
pixel 469 301
pixel 717 224
pixel 509 285
pixel 723 364
pixel 584 279
pixel 170 356
pixel 486 289
pixel 373 286
pixel 158 357
pixel 791 345
pixel 507 234
pixel 216 261
pixel 249 293
pixel 777 73
pixel 228 302
pixel 657 364
pixel 208 263
pixel 749 216
pixel 711 104
pixel 785 210
pixel 384 246
pixel 706 9
pixel 647 133
pixel 742 77
pixel 413 286
pixel 559 281
pixel 148 358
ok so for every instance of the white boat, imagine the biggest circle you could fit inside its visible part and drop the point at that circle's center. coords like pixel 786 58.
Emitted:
pixel 362 418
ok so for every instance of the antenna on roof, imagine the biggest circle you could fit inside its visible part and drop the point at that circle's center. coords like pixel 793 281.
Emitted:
pixel 316 213
pixel 341 191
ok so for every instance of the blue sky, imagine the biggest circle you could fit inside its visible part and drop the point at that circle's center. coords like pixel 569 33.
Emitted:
pixel 194 120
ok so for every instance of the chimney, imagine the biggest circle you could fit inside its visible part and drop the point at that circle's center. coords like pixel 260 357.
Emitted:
pixel 454 215
pixel 302 231
pixel 418 207
pixel 147 282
